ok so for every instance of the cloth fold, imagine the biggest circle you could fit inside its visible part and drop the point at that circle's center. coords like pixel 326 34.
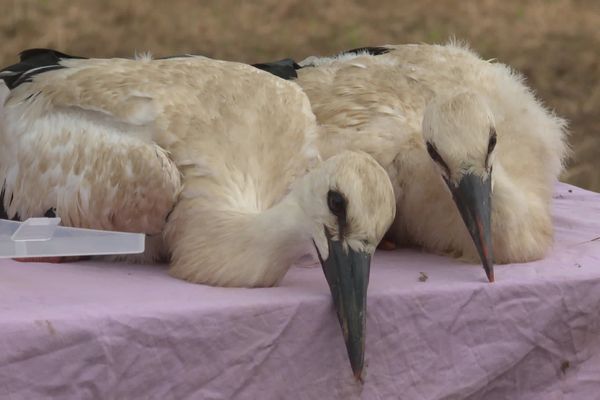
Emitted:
pixel 98 330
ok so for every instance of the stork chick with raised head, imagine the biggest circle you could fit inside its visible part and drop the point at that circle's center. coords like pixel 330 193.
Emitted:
pixel 215 157
pixel 449 128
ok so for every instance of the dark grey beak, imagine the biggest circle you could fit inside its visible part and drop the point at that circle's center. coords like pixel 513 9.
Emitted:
pixel 473 199
pixel 347 274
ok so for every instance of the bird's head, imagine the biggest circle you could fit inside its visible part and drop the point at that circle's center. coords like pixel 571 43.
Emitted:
pixel 350 199
pixel 460 137
pixel 350 203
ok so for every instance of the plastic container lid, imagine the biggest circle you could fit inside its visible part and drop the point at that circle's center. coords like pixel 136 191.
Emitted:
pixel 43 237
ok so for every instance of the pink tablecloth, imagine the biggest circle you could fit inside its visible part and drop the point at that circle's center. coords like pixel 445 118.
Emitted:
pixel 113 331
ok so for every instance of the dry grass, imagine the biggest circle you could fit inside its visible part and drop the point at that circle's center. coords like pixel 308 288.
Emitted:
pixel 556 43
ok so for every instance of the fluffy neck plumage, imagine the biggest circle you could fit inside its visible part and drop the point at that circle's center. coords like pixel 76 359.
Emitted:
pixel 232 248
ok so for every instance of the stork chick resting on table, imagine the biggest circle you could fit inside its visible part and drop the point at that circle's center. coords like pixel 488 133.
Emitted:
pixel 449 128
pixel 214 160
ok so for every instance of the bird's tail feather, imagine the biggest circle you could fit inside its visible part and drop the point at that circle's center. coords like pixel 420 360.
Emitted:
pixel 2 210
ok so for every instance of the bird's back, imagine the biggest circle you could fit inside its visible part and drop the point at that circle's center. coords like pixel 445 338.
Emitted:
pixel 241 131
pixel 230 128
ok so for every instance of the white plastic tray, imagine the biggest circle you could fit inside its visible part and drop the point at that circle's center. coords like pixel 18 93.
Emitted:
pixel 43 237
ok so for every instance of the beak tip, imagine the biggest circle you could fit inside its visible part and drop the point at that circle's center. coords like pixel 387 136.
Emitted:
pixel 490 274
pixel 358 376
pixel 357 361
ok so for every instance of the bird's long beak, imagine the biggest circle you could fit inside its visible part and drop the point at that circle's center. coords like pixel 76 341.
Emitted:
pixel 347 273
pixel 472 196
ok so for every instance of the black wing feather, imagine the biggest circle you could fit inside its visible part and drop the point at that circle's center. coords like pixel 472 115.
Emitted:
pixel 285 68
pixel 32 62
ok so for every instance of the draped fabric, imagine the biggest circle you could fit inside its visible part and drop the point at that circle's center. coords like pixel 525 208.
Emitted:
pixel 435 329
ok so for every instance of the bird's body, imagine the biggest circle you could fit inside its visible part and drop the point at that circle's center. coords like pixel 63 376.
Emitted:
pixel 122 144
pixel 215 159
pixel 116 144
pixel 378 101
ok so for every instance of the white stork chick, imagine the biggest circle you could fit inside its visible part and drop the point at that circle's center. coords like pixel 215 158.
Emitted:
pixel 438 118
pixel 213 154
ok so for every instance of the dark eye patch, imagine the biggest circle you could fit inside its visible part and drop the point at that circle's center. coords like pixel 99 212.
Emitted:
pixel 337 205
pixel 435 156
pixel 493 139
pixel 491 144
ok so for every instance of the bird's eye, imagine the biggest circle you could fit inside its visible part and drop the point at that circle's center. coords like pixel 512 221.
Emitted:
pixel 435 156
pixel 492 143
pixel 432 151
pixel 336 203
